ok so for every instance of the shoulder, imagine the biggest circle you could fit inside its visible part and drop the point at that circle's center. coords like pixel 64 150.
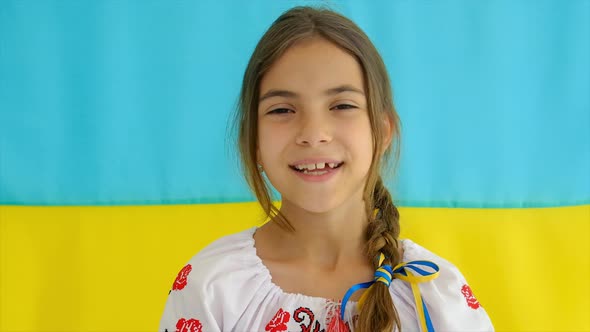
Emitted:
pixel 451 303
pixel 415 252
pixel 227 258
pixel 233 244
pixel 225 273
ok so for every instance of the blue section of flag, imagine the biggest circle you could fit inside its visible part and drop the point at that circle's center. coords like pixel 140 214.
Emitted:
pixel 127 102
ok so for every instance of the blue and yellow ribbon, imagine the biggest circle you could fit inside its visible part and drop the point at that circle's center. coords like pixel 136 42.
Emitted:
pixel 402 271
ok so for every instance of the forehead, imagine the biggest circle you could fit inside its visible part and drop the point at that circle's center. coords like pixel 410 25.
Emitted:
pixel 312 66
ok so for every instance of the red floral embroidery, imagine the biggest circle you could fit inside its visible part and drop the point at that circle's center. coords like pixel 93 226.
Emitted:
pixel 278 322
pixel 300 316
pixel 335 322
pixel 337 325
pixel 472 302
pixel 180 281
pixel 189 325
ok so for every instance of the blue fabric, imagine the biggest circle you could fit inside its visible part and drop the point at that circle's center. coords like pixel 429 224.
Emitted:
pixel 127 102
pixel 349 293
pixel 429 325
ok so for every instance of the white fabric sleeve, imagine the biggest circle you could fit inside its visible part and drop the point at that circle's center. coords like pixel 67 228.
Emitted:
pixel 450 301
pixel 188 308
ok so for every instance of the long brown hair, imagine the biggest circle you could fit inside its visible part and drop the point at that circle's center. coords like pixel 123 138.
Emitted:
pixel 378 312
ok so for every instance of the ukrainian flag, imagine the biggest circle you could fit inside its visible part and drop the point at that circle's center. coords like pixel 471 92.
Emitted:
pixel 116 168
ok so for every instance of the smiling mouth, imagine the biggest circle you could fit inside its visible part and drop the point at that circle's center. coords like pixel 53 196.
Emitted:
pixel 316 169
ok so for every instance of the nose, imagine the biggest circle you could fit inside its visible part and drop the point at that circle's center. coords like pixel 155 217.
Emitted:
pixel 314 130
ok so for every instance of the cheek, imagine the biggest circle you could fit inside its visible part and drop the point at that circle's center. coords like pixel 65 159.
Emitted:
pixel 359 137
pixel 270 142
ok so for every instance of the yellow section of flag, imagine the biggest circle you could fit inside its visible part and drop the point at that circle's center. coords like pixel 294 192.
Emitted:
pixel 110 268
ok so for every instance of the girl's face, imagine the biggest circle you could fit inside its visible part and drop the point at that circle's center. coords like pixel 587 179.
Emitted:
pixel 314 138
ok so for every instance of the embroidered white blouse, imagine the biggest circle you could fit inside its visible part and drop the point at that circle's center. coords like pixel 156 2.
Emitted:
pixel 226 287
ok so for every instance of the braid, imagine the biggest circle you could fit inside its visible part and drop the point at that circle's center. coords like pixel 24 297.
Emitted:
pixel 378 312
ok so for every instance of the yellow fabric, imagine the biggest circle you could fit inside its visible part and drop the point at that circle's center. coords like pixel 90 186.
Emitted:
pixel 383 280
pixel 381 258
pixel 110 268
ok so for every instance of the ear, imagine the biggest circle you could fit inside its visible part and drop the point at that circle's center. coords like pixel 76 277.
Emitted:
pixel 388 127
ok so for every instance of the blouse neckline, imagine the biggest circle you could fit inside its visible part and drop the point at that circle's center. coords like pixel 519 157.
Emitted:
pixel 268 277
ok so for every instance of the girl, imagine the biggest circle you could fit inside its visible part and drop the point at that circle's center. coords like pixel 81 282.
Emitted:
pixel 317 122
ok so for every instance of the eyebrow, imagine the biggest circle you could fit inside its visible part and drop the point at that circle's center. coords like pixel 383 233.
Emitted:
pixel 290 94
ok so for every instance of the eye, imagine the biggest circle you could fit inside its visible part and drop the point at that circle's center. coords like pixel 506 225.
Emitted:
pixel 280 111
pixel 343 107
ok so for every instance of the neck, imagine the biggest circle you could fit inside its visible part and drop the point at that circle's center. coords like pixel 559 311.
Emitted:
pixel 326 239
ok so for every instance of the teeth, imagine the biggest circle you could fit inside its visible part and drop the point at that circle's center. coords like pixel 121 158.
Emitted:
pixel 318 166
